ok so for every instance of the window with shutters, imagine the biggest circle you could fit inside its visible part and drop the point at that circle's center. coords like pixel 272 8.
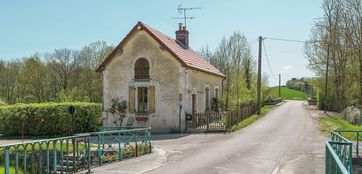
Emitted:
pixel 142 69
pixel 142 99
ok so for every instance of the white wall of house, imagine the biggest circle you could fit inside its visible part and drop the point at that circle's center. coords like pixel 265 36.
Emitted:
pixel 198 81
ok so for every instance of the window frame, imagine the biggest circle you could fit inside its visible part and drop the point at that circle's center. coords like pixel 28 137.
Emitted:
pixel 142 100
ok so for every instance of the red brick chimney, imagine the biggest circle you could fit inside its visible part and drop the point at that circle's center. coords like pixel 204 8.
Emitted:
pixel 182 36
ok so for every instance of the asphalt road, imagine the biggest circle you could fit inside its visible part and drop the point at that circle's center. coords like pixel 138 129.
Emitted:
pixel 286 140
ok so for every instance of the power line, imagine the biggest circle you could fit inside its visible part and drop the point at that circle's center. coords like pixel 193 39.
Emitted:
pixel 286 40
pixel 267 60
pixel 315 41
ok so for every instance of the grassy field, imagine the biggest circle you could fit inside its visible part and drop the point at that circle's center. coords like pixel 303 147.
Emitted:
pixel 251 119
pixel 288 94
pixel 328 123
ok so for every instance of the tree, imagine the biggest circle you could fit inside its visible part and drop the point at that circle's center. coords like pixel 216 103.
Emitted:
pixel 35 78
pixel 64 63
pixel 338 33
pixel 118 110
pixel 233 57
pixel 61 75
pixel 91 56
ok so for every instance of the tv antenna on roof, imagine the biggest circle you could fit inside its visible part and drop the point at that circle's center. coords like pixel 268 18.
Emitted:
pixel 183 10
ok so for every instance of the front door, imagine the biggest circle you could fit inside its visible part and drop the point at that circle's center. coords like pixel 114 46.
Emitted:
pixel 193 103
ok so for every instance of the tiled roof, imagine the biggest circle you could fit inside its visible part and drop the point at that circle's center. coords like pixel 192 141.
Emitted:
pixel 187 57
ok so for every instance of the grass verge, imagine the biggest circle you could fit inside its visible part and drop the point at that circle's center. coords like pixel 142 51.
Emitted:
pixel 328 123
pixel 251 119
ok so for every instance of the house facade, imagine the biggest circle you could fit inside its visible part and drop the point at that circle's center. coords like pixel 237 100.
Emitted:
pixel 157 76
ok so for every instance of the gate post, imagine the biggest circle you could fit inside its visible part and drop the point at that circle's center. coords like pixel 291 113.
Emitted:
pixel 229 119
pixel 208 121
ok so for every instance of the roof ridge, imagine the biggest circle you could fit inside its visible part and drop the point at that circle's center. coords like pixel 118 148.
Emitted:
pixel 186 56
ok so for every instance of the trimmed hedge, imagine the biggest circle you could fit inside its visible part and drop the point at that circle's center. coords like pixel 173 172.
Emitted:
pixel 49 119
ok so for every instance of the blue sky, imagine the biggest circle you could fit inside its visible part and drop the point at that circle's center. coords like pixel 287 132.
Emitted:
pixel 44 25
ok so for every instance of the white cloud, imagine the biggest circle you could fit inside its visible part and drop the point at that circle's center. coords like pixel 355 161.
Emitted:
pixel 287 67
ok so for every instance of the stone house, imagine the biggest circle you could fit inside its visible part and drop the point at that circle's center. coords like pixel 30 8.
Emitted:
pixel 157 75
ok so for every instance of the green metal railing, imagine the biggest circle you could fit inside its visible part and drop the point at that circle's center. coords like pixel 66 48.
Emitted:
pixel 338 158
pixel 118 144
pixel 354 137
pixel 111 128
pixel 74 153
pixel 338 154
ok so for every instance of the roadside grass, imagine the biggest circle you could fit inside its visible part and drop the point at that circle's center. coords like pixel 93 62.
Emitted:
pixel 328 123
pixel 246 122
pixel 12 170
pixel 288 94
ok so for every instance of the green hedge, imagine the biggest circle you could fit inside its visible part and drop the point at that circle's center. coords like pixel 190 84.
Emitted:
pixel 49 119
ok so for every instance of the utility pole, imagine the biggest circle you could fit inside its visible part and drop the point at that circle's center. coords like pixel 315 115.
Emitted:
pixel 280 94
pixel 259 76
pixel 326 82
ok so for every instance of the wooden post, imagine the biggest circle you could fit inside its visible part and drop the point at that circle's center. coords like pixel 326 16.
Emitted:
pixel 136 149
pixel 259 75
pixel 229 119
pixel 280 95
pixel 208 121
pixel 22 134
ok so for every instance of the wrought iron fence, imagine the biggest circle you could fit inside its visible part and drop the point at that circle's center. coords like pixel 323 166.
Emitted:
pixel 74 153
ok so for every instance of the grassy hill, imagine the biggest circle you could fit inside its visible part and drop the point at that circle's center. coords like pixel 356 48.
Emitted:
pixel 288 94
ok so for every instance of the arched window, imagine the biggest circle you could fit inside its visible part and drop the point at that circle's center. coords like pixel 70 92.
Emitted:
pixel 217 93
pixel 142 69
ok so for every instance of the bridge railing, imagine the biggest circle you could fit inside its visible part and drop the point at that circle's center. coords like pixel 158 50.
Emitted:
pixel 116 145
pixel 338 154
pixel 74 153
pixel 338 157
pixel 354 137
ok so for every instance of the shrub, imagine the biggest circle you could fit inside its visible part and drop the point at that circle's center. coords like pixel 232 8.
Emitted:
pixel 2 102
pixel 352 114
pixel 49 119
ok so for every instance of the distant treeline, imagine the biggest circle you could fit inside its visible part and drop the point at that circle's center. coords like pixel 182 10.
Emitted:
pixel 58 76
pixel 302 84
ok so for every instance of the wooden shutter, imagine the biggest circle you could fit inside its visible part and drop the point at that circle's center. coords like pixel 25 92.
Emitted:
pixel 151 99
pixel 131 100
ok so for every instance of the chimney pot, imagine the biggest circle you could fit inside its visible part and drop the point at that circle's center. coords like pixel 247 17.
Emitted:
pixel 182 36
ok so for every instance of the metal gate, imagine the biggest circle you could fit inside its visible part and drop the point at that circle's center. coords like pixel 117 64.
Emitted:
pixel 206 122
